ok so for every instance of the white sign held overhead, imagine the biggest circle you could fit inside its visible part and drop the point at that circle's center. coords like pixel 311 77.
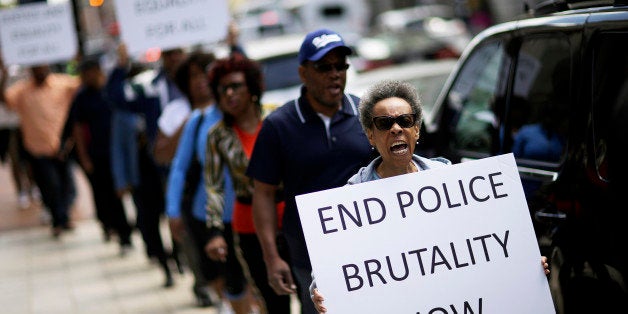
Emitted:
pixel 146 24
pixel 38 33
pixel 456 239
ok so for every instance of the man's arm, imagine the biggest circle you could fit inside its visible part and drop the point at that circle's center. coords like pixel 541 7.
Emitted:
pixel 265 219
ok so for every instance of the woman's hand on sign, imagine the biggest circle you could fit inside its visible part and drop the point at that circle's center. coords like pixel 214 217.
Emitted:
pixel 318 299
pixel 545 265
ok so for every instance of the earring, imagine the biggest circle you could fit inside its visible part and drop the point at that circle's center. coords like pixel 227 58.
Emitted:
pixel 417 141
pixel 372 147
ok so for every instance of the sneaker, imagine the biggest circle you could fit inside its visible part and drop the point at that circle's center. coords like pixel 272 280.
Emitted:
pixel 225 308
pixel 125 249
pixel 44 217
pixel 56 232
pixel 35 194
pixel 203 297
pixel 23 200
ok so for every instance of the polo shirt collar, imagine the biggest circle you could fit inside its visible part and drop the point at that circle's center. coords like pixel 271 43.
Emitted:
pixel 306 112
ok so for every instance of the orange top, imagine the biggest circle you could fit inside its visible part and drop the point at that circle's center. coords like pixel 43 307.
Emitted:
pixel 242 221
pixel 43 111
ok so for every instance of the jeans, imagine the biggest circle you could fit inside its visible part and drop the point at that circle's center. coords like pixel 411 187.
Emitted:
pixel 56 184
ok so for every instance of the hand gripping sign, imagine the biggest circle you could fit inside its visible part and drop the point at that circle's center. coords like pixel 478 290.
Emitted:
pixel 457 239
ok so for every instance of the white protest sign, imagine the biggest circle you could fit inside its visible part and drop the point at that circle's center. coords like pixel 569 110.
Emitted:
pixel 38 33
pixel 146 24
pixel 457 239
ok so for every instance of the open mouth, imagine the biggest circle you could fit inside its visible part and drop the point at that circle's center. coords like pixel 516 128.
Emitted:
pixel 399 148
pixel 334 89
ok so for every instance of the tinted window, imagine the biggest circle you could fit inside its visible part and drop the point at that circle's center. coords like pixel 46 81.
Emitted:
pixel 281 72
pixel 537 119
pixel 610 106
pixel 473 94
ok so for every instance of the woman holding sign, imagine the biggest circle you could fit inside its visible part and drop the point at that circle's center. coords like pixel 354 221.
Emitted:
pixel 390 114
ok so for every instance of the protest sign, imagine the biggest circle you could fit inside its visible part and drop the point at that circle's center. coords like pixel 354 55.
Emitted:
pixel 38 33
pixel 456 239
pixel 146 24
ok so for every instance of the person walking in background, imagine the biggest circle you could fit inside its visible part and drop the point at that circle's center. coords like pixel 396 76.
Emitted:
pixel 237 81
pixel 185 192
pixel 12 151
pixel 309 144
pixel 42 102
pixel 90 118
pixel 142 94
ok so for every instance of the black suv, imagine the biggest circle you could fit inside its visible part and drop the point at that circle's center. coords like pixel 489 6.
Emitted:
pixel 552 89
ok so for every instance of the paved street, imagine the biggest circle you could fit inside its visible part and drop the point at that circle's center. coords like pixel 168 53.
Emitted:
pixel 79 273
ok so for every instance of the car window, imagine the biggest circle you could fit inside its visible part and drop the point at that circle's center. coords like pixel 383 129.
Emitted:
pixel 537 114
pixel 281 72
pixel 610 106
pixel 473 94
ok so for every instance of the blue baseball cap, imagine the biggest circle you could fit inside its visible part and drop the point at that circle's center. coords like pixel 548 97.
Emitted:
pixel 318 43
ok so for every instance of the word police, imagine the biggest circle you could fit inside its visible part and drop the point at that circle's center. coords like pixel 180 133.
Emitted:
pixel 429 199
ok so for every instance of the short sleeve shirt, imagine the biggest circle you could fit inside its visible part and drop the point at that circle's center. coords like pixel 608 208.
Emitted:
pixel 43 111
pixel 295 148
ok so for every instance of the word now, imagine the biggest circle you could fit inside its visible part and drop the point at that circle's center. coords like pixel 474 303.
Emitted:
pixel 466 307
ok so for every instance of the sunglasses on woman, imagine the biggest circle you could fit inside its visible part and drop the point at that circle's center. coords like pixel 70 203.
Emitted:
pixel 384 123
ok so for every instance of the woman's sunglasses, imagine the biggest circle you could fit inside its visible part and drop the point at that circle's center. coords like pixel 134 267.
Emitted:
pixel 384 123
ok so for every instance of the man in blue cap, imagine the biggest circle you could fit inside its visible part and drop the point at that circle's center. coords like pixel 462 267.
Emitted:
pixel 309 144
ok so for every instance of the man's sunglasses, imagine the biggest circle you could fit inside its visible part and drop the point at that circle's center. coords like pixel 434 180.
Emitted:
pixel 327 67
pixel 384 123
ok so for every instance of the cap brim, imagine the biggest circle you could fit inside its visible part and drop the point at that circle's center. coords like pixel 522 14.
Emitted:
pixel 321 53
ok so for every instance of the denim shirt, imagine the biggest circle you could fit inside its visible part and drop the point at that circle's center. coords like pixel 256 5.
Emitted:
pixel 182 160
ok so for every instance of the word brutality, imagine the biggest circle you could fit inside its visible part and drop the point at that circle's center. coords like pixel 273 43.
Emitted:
pixel 421 261
pixel 426 261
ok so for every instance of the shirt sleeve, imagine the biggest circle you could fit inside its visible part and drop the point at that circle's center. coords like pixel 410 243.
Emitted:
pixel 179 167
pixel 214 179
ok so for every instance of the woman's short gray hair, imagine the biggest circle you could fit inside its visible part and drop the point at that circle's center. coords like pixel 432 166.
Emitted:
pixel 384 90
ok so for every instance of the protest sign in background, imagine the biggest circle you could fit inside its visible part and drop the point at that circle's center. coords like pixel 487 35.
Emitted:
pixel 38 33
pixel 457 239
pixel 146 24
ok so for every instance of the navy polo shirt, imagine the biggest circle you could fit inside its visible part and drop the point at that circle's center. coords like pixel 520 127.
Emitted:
pixel 294 148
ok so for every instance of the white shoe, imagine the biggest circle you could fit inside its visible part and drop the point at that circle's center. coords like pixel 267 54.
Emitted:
pixel 35 194
pixel 23 200
pixel 225 308
pixel 44 217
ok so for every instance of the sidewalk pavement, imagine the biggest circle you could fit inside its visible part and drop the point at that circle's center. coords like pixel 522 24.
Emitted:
pixel 80 273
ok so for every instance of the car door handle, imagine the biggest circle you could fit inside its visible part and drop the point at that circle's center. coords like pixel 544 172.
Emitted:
pixel 544 175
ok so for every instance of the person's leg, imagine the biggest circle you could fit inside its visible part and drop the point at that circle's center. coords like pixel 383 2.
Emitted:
pixel 205 270
pixel 100 194
pixel 251 251
pixel 49 175
pixel 150 192
pixel 112 210
pixel 18 169
pixel 303 278
pixel 68 186
pixel 236 283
